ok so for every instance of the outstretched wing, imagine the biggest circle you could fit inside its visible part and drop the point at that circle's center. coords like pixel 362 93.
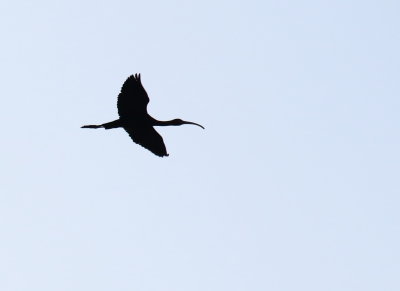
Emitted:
pixel 133 99
pixel 148 138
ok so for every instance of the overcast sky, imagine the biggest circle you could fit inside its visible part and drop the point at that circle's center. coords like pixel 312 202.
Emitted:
pixel 293 185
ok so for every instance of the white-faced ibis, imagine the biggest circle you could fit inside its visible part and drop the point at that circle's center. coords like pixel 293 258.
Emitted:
pixel 133 117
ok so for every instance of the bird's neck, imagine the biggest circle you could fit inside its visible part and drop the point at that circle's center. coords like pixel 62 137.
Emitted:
pixel 163 123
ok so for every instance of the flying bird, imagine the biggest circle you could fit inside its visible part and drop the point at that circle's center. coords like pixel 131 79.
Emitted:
pixel 133 117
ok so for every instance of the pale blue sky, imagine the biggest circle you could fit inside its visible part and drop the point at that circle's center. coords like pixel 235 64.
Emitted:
pixel 294 184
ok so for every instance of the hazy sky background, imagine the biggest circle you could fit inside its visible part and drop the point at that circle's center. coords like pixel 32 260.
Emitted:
pixel 294 184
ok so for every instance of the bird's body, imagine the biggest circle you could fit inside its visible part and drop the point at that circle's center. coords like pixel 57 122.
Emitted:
pixel 132 109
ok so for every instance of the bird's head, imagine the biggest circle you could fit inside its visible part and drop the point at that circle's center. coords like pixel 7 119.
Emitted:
pixel 181 122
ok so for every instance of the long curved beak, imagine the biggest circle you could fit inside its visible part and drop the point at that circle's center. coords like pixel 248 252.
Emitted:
pixel 188 122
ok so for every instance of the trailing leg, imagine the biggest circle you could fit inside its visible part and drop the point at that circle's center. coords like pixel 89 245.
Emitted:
pixel 108 125
pixel 91 126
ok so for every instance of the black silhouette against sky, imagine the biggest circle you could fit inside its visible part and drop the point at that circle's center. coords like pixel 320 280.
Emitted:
pixel 132 110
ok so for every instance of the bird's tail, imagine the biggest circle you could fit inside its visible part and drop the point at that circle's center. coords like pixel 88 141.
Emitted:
pixel 92 126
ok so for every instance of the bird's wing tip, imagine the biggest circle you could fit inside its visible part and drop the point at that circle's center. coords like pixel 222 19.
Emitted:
pixel 135 76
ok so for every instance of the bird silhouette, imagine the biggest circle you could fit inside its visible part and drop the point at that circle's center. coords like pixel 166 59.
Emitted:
pixel 133 117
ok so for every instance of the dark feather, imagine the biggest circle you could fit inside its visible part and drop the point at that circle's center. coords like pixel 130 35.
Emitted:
pixel 149 138
pixel 133 99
